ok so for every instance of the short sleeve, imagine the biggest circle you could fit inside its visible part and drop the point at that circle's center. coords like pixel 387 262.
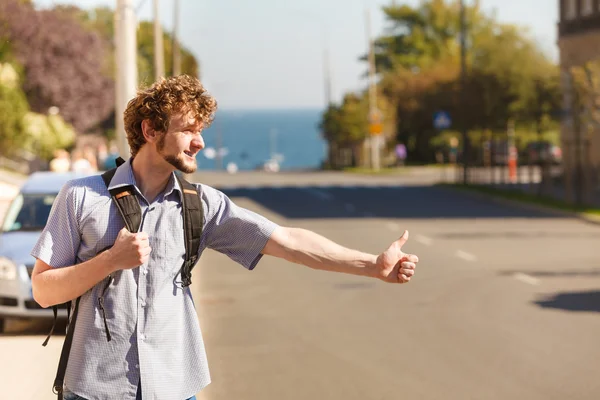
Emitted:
pixel 59 242
pixel 232 230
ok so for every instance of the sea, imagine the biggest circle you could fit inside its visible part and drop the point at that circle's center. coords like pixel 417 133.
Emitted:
pixel 247 139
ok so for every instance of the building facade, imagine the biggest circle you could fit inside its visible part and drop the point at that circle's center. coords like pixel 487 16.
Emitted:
pixel 579 46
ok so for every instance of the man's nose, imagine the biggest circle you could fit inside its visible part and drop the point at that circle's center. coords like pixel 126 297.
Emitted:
pixel 198 142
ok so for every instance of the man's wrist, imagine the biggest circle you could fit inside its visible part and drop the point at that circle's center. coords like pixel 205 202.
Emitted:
pixel 370 266
pixel 107 262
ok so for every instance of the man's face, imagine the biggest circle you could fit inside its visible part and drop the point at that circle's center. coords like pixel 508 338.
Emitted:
pixel 181 143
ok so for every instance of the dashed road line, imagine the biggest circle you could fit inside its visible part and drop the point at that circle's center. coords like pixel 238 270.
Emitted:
pixel 526 278
pixel 465 256
pixel 427 241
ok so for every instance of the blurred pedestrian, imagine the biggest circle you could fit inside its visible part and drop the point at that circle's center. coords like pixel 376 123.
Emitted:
pixel 80 163
pixel 400 154
pixel 61 161
pixel 90 155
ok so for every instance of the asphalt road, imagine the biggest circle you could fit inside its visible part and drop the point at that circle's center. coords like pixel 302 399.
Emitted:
pixel 505 303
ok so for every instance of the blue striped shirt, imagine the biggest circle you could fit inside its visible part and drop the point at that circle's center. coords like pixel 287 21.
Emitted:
pixel 155 332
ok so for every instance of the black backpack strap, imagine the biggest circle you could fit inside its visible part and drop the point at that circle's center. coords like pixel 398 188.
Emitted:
pixel 59 381
pixel 55 311
pixel 129 207
pixel 107 177
pixel 125 200
pixel 193 220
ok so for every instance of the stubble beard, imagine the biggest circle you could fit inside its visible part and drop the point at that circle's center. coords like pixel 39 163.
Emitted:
pixel 175 160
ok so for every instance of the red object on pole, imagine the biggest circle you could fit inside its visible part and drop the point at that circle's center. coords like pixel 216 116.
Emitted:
pixel 512 164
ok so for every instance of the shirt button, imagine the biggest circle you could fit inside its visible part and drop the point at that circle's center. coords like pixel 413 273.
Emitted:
pixel 143 304
pixel 137 366
pixel 143 337
pixel 145 271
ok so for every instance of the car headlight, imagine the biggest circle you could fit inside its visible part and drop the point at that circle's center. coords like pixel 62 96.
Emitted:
pixel 8 269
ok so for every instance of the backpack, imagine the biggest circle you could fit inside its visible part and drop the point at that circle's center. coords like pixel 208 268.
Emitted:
pixel 130 210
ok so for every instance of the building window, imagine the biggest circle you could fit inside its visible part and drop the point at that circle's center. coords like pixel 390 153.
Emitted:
pixel 570 9
pixel 587 7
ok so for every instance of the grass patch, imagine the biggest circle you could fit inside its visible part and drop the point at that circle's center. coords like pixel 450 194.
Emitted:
pixel 526 198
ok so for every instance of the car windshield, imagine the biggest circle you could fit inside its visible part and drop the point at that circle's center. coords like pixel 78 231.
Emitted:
pixel 28 212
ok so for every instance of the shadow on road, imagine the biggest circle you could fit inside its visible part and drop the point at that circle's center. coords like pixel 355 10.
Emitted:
pixel 378 201
pixel 573 301
pixel 34 328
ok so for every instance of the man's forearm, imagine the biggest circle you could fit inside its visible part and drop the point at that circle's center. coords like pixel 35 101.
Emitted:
pixel 304 247
pixel 58 285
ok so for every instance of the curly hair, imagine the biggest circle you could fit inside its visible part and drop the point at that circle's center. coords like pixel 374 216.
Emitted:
pixel 159 102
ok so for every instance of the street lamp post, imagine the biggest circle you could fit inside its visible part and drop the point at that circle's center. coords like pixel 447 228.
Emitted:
pixel 463 95
pixel 375 125
pixel 159 52
pixel 125 67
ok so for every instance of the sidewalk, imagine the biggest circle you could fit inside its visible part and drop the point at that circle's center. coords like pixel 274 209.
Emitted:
pixel 528 182
pixel 555 191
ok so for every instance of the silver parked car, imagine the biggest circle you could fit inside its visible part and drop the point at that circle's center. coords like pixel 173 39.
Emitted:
pixel 24 220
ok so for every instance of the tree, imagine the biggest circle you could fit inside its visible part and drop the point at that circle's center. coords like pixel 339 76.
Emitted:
pixel 62 63
pixel 586 79
pixel 419 68
pixel 346 127
pixel 145 38
pixel 421 36
pixel 13 108
pixel 43 134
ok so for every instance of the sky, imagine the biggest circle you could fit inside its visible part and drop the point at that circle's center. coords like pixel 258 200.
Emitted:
pixel 268 54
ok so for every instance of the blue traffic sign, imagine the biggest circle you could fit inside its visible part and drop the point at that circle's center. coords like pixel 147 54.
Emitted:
pixel 442 120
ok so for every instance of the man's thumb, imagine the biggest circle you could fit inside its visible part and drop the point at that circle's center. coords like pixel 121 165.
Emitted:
pixel 403 239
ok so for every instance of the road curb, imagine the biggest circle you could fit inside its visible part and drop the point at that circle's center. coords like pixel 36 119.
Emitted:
pixel 593 219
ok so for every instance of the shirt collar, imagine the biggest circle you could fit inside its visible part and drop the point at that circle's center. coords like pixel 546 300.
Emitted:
pixel 124 177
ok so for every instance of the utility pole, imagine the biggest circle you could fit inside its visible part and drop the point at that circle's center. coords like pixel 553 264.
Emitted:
pixel 375 125
pixel 159 50
pixel 125 67
pixel 176 49
pixel 463 94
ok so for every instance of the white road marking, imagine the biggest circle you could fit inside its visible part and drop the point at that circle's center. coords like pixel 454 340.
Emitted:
pixel 319 193
pixel 424 240
pixel 465 256
pixel 526 278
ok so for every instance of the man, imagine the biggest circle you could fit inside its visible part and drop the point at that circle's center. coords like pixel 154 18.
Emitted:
pixel 156 349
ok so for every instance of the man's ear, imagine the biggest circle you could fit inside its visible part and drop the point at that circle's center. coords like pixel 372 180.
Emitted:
pixel 150 134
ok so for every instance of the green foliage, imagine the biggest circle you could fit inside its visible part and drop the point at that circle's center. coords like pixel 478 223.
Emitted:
pixel 419 68
pixel 346 124
pixel 46 133
pixel 13 108
pixel 586 101
pixel 145 39
pixel 81 90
